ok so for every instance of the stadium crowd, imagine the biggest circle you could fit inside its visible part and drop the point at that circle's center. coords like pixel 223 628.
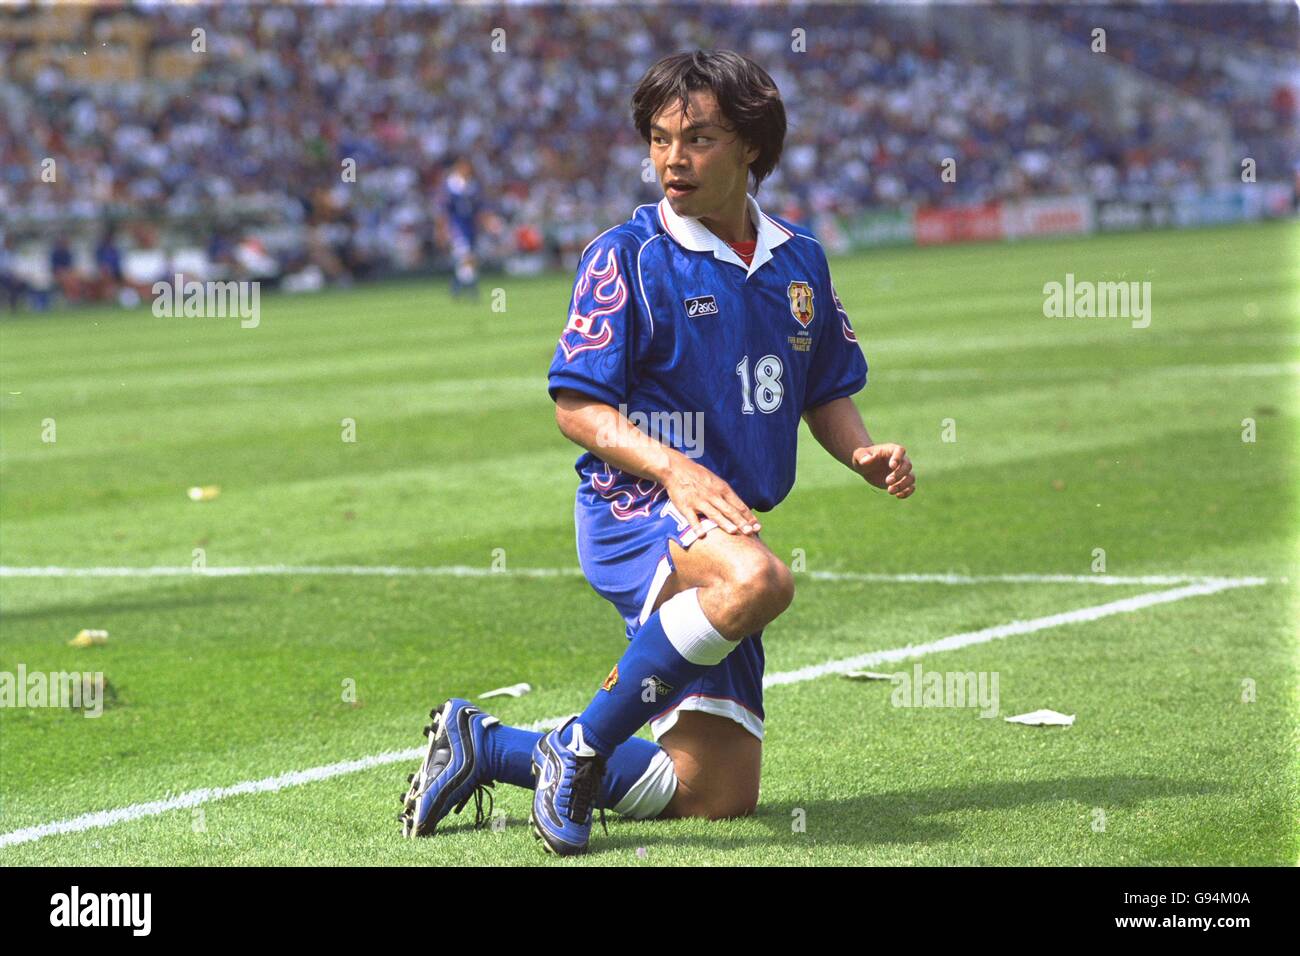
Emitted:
pixel 247 158
pixel 1217 54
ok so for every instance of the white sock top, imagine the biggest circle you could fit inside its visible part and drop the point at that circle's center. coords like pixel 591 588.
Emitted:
pixel 688 630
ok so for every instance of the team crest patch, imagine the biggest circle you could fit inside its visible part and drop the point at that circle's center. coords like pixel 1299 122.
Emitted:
pixel 611 680
pixel 801 302
pixel 701 305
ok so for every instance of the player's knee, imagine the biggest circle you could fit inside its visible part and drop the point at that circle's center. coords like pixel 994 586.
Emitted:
pixel 782 584
pixel 763 580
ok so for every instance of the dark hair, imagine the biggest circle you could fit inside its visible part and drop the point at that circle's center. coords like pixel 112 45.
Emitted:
pixel 746 95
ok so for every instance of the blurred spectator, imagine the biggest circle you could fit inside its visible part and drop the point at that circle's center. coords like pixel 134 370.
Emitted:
pixel 63 270
pixel 108 267
pixel 12 285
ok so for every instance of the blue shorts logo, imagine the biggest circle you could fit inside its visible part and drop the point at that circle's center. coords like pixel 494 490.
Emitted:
pixel 701 305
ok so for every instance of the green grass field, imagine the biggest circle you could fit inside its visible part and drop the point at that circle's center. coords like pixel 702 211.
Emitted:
pixel 1072 435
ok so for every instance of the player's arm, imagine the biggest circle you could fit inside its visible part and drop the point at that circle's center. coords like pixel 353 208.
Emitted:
pixel 605 432
pixel 838 427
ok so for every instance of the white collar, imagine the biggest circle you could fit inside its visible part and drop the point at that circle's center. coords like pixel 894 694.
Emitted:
pixel 689 233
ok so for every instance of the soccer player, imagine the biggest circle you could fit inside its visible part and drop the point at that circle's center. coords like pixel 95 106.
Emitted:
pixel 462 203
pixel 717 325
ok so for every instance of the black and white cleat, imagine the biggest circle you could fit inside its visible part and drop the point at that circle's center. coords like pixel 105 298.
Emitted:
pixel 419 780
pixel 452 772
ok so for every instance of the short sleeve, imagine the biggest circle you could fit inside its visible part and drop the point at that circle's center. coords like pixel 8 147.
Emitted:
pixel 600 340
pixel 838 367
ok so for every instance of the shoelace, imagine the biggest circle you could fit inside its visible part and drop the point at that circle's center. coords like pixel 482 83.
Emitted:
pixel 480 818
pixel 587 775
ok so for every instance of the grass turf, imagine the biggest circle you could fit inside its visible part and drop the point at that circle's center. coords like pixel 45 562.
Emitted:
pixel 1072 435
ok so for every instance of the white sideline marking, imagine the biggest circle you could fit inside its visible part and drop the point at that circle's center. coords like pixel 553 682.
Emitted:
pixel 469 571
pixel 257 570
pixel 956 641
pixel 1243 369
pixel 193 798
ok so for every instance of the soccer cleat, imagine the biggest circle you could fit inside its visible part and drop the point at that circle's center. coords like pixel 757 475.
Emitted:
pixel 452 772
pixel 566 787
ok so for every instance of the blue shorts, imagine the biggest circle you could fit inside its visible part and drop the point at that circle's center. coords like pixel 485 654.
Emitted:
pixel 462 243
pixel 624 527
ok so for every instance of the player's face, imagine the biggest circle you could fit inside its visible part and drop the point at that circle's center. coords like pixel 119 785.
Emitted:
pixel 701 162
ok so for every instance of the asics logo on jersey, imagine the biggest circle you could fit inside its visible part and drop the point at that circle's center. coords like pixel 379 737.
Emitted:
pixel 701 305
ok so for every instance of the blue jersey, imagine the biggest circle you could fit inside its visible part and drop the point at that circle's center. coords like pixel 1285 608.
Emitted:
pixel 711 357
pixel 463 202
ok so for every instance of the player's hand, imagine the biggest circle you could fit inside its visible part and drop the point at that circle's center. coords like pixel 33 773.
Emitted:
pixel 696 491
pixel 886 466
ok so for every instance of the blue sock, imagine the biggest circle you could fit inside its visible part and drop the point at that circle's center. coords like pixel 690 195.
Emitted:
pixel 510 754
pixel 628 764
pixel 643 682
pixel 510 760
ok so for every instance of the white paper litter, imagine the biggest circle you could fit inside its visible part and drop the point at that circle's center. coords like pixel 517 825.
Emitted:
pixel 1042 718
pixel 867 675
pixel 89 637
pixel 514 690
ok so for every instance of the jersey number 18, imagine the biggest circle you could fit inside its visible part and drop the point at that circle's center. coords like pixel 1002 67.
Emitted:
pixel 767 391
